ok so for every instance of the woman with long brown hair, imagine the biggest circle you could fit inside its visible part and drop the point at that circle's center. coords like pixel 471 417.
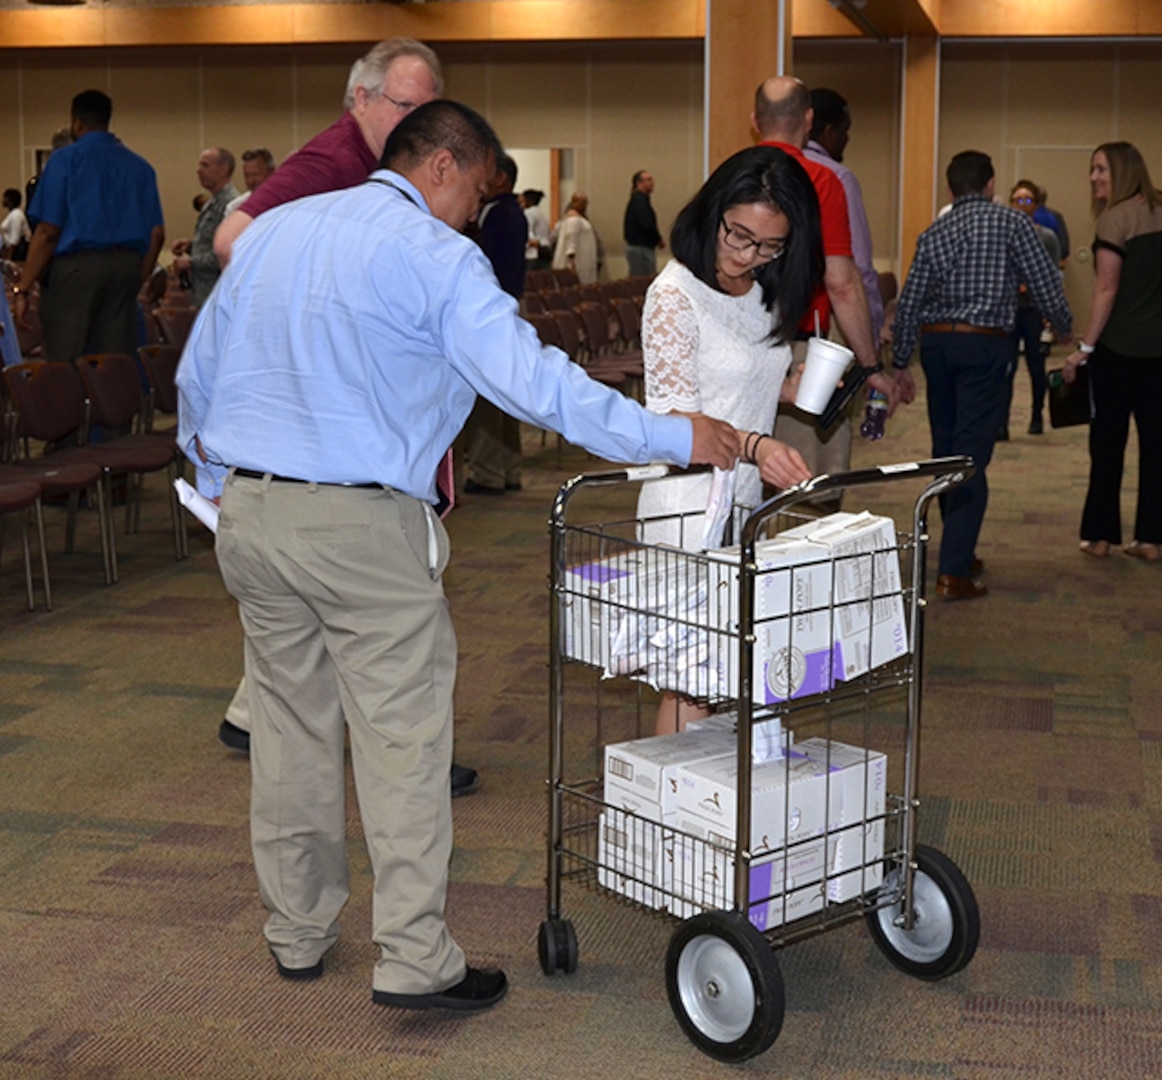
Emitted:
pixel 1122 349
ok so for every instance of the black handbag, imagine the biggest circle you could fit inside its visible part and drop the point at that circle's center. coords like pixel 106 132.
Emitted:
pixel 1069 403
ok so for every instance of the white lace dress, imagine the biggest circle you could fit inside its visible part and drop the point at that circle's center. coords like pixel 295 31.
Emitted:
pixel 706 352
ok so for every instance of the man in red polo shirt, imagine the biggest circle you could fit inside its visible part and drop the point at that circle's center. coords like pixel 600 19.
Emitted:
pixel 782 117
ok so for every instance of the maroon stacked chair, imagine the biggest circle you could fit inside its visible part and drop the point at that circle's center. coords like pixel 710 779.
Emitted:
pixel 113 387
pixel 19 494
pixel 49 407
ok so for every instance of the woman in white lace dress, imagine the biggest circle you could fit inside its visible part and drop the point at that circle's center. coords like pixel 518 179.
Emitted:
pixel 716 324
pixel 715 331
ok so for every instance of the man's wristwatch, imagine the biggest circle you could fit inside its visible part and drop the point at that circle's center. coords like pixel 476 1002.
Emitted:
pixel 1082 347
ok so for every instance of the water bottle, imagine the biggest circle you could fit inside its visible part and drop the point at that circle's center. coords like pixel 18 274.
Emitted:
pixel 875 415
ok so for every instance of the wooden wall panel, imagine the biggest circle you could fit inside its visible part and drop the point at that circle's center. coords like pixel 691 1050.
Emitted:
pixel 1048 18
pixel 743 50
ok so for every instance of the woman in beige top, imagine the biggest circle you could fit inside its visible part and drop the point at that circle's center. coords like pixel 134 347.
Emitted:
pixel 1122 350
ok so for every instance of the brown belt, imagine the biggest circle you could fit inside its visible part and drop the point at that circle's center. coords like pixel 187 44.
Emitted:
pixel 961 328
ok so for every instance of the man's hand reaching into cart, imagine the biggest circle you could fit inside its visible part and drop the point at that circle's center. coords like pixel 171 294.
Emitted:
pixel 715 442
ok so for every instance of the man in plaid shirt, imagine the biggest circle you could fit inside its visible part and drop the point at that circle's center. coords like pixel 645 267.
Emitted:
pixel 960 301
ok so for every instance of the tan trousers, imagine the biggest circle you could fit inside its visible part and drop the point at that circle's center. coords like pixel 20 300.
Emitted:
pixel 824 453
pixel 344 614
pixel 492 441
pixel 238 711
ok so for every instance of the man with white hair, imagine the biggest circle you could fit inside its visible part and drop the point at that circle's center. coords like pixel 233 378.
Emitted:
pixel 392 80
pixel 389 83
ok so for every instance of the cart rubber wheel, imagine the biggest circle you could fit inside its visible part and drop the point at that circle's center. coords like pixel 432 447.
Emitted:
pixel 725 986
pixel 946 927
pixel 557 946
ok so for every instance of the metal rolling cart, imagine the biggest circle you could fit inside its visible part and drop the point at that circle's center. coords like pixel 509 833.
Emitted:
pixel 712 628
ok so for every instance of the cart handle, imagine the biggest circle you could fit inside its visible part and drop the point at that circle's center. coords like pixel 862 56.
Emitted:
pixel 954 470
pixel 957 469
pixel 628 474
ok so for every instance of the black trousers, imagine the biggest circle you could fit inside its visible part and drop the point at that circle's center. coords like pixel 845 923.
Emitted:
pixel 1124 386
pixel 89 304
pixel 1028 330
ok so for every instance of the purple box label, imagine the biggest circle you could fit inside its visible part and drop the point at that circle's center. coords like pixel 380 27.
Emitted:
pixel 599 572
pixel 791 673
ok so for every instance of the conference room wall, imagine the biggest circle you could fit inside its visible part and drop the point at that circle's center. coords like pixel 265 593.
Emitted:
pixel 1038 109
pixel 620 107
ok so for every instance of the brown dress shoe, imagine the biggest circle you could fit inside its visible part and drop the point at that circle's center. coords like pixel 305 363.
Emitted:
pixel 959 588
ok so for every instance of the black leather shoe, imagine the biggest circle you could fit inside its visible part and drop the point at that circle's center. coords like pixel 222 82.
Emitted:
pixel 477 990
pixel 471 487
pixel 464 780
pixel 303 974
pixel 952 587
pixel 1036 426
pixel 233 736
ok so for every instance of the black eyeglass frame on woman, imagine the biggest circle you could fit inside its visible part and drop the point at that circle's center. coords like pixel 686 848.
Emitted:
pixel 737 240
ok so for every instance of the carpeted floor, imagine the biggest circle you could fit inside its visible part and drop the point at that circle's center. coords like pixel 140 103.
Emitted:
pixel 132 943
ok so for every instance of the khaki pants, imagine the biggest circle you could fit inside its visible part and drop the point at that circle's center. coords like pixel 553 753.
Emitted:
pixel 492 441
pixel 345 618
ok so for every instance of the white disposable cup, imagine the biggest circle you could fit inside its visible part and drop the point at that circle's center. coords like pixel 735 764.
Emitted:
pixel 826 363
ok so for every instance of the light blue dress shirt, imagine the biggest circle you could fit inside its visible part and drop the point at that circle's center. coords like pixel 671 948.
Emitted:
pixel 348 338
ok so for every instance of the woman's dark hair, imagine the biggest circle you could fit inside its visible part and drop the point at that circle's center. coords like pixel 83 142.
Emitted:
pixel 12 198
pixel 766 175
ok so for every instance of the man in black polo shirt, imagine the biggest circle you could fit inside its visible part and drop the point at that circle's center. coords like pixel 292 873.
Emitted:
pixel 642 238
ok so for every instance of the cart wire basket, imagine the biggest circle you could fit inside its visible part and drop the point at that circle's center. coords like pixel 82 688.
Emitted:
pixel 790 807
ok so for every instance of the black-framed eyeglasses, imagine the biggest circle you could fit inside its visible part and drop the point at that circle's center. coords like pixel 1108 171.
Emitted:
pixel 404 107
pixel 739 241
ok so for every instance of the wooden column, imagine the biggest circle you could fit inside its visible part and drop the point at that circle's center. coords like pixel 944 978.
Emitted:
pixel 920 185
pixel 742 49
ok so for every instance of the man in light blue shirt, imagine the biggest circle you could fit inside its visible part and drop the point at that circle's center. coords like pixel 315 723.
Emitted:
pixel 333 365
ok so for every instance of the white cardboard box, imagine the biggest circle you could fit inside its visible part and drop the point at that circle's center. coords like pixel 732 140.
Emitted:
pixel 595 595
pixel 858 787
pixel 646 769
pixel 708 791
pixel 793 652
pixel 783 887
pixel 629 857
pixel 870 626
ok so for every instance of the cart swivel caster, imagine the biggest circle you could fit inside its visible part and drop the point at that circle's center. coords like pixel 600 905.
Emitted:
pixel 946 927
pixel 557 946
pixel 725 986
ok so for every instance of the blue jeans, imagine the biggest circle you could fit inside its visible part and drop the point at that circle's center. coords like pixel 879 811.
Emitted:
pixel 968 387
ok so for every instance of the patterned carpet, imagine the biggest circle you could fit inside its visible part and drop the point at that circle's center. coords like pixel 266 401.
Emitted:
pixel 132 927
